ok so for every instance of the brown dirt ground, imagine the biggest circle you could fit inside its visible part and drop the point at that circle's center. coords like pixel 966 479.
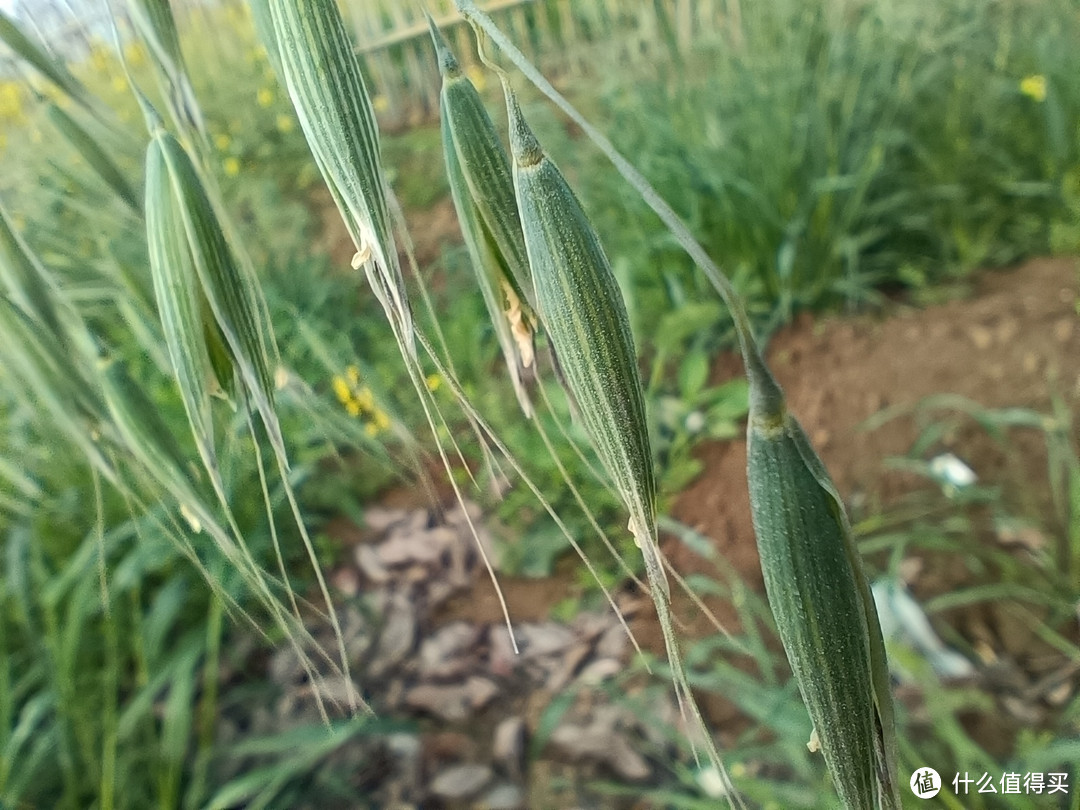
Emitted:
pixel 1011 343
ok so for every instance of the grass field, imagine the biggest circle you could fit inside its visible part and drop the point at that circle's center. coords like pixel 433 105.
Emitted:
pixel 834 159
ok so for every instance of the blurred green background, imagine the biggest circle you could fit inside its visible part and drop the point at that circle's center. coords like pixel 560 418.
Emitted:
pixel 836 157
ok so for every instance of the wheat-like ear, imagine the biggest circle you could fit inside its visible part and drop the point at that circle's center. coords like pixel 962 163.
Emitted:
pixel 482 188
pixel 323 77
pixel 586 321
pixel 806 545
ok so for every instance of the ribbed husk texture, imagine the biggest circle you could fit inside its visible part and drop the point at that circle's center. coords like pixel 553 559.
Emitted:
pixel 821 600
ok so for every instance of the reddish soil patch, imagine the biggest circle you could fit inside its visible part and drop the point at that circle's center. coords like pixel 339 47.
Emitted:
pixel 1017 336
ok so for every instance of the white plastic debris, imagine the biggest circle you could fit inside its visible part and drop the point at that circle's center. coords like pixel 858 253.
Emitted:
pixel 950 471
pixel 904 622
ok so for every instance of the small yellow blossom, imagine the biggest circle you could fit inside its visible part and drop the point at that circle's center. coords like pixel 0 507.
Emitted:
pixel 366 399
pixel 476 76
pixel 134 54
pixel 380 103
pixel 371 430
pixel 119 84
pixel 99 57
pixel 265 97
pixel 342 390
pixel 1034 87
pixel 353 373
pixel 11 106
pixel 284 123
pixel 433 382
pixel 380 419
pixel 232 166
pixel 352 407
pixel 222 142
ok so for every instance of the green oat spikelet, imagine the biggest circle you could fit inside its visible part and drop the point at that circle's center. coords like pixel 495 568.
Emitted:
pixel 482 188
pixel 327 88
pixel 775 462
pixel 820 598
pixel 585 318
pixel 179 296
pixel 211 314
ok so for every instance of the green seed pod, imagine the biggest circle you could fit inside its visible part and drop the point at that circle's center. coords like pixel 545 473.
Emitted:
pixel 586 321
pixel 585 318
pixel 483 191
pixel 485 167
pixel 327 89
pixel 820 599
pixel 210 312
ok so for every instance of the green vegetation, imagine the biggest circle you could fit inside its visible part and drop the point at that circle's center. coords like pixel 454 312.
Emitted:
pixel 190 385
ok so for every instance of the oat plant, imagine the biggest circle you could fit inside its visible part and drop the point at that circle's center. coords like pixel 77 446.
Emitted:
pixel 817 590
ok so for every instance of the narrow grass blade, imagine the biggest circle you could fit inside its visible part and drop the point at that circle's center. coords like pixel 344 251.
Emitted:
pixel 35 55
pixel 26 281
pixel 95 156
pixel 154 21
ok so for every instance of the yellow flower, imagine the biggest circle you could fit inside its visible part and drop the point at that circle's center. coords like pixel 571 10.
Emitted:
pixel 380 103
pixel 99 57
pixel 10 101
pixel 135 55
pixel 342 390
pixel 222 142
pixel 265 97
pixel 353 373
pixel 476 76
pixel 284 123
pixel 1034 87
pixel 232 166
pixel 380 419
pixel 119 84
pixel 370 429
pixel 352 408
pixel 433 382
pixel 366 399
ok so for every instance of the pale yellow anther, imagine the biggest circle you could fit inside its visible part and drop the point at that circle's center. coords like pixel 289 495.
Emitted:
pixel 361 257
pixel 520 328
pixel 192 520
